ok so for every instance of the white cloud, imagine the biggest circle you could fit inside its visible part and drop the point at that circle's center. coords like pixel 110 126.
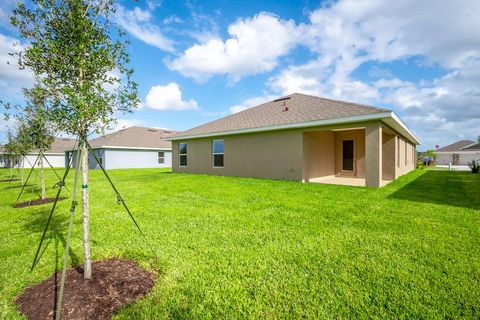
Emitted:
pixel 7 125
pixel 168 97
pixel 348 33
pixel 385 30
pixel 250 50
pixel 139 24
pixel 172 19
pixel 12 80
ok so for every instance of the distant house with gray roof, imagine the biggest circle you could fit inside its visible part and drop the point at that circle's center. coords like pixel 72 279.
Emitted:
pixel 55 155
pixel 301 137
pixel 458 153
pixel 133 147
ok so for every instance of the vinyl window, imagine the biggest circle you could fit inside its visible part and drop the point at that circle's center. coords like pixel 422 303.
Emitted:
pixel 161 157
pixel 182 152
pixel 218 153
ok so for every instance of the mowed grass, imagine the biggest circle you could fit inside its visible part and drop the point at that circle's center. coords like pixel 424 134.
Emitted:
pixel 232 247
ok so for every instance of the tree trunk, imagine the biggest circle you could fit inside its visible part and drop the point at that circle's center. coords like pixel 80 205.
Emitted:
pixel 11 169
pixel 42 178
pixel 87 264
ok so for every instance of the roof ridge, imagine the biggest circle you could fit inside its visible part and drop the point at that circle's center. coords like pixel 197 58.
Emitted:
pixel 457 148
pixel 341 101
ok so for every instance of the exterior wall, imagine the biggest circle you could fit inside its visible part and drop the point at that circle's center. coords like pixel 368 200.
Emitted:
pixel 126 159
pixel 7 163
pixel 303 154
pixel 318 154
pixel 444 158
pixel 464 157
pixel 275 155
pixel 405 157
pixel 56 160
pixel 373 155
pixel 388 156
pixel 358 136
pixel 92 164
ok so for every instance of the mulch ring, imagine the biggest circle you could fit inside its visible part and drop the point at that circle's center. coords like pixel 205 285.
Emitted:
pixel 14 187
pixel 115 283
pixel 9 180
pixel 36 202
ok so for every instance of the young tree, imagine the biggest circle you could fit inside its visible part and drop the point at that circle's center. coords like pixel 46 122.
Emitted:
pixel 34 129
pixel 79 58
pixel 11 151
pixel 23 145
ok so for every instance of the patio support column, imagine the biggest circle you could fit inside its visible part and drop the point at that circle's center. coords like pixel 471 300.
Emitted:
pixel 373 155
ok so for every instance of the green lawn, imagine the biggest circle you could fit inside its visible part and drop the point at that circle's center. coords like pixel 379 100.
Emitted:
pixel 249 248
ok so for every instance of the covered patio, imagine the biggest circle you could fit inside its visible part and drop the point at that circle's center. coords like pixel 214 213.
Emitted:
pixel 345 181
pixel 360 155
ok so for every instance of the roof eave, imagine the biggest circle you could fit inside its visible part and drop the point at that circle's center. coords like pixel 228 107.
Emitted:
pixel 127 148
pixel 388 117
pixel 457 152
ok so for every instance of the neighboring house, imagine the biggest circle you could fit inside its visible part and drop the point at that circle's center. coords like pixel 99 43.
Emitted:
pixel 459 153
pixel 134 147
pixel 304 138
pixel 55 155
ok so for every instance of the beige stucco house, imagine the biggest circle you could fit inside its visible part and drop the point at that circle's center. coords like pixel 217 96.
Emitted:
pixel 304 138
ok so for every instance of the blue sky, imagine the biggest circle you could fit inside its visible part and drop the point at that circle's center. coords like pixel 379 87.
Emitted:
pixel 196 61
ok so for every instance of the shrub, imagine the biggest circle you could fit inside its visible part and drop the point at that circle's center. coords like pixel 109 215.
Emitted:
pixel 474 166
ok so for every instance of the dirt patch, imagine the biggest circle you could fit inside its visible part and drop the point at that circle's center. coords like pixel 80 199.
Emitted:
pixel 36 202
pixel 15 187
pixel 9 180
pixel 114 283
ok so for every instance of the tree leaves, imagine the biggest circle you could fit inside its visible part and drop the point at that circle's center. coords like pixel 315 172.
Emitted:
pixel 74 50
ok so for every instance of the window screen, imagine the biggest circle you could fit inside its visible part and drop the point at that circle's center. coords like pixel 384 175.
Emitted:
pixel 161 157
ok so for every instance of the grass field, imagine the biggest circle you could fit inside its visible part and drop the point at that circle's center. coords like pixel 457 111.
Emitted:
pixel 248 248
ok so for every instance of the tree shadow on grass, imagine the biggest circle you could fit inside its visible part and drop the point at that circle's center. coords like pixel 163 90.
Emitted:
pixel 56 233
pixel 453 188
pixel 54 236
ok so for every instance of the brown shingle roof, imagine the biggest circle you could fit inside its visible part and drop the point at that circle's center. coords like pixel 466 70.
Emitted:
pixel 457 146
pixel 61 144
pixel 294 108
pixel 473 147
pixel 135 137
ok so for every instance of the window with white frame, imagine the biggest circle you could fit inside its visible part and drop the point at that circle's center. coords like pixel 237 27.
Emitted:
pixel 161 157
pixel 182 153
pixel 218 153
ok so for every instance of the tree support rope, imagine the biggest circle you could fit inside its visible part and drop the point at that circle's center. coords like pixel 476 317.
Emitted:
pixel 58 314
pixel 28 177
pixel 61 184
pixel 120 199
